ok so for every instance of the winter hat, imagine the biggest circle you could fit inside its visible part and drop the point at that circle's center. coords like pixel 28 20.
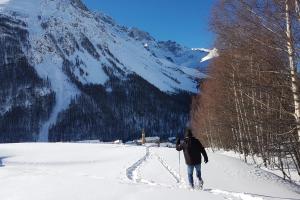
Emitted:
pixel 188 133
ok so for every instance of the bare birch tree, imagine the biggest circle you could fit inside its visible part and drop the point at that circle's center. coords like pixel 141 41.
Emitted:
pixel 250 102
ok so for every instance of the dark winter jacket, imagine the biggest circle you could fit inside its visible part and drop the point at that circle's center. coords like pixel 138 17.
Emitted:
pixel 192 149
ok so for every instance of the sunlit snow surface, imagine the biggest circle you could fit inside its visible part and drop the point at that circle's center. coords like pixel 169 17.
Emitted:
pixel 106 171
pixel 4 1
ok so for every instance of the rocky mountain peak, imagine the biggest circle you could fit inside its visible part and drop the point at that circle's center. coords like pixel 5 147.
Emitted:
pixel 140 35
pixel 79 4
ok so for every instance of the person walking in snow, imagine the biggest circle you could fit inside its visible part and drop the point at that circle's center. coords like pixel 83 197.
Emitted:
pixel 192 150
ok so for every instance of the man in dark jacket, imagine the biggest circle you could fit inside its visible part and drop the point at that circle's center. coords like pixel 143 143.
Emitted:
pixel 192 150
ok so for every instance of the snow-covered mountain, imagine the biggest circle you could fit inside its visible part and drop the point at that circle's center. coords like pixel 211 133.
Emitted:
pixel 70 72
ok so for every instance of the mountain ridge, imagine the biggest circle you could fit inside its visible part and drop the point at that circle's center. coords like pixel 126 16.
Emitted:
pixel 77 51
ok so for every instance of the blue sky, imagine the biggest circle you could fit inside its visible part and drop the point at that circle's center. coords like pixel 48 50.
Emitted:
pixel 184 21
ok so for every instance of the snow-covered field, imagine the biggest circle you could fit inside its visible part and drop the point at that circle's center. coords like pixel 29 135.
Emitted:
pixel 65 171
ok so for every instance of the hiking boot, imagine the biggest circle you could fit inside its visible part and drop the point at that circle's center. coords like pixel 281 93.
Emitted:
pixel 201 182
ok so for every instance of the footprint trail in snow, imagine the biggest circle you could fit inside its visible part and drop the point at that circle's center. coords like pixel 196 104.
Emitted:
pixel 154 170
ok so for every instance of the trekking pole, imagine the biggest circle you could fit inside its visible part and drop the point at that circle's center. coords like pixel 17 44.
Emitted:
pixel 179 166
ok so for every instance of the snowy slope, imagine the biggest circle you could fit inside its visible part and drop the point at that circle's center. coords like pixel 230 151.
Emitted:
pixel 105 171
pixel 55 20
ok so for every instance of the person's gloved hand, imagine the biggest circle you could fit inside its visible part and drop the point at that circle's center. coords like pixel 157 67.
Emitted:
pixel 206 161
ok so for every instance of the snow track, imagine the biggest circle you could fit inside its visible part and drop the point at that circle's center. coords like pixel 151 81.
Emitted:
pixel 169 169
pixel 132 171
pixel 235 195
pixel 136 172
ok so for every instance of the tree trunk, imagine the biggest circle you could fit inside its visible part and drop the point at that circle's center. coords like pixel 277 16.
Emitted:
pixel 293 67
pixel 297 8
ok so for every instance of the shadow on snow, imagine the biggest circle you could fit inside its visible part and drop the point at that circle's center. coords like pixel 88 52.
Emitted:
pixel 257 195
pixel 1 161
